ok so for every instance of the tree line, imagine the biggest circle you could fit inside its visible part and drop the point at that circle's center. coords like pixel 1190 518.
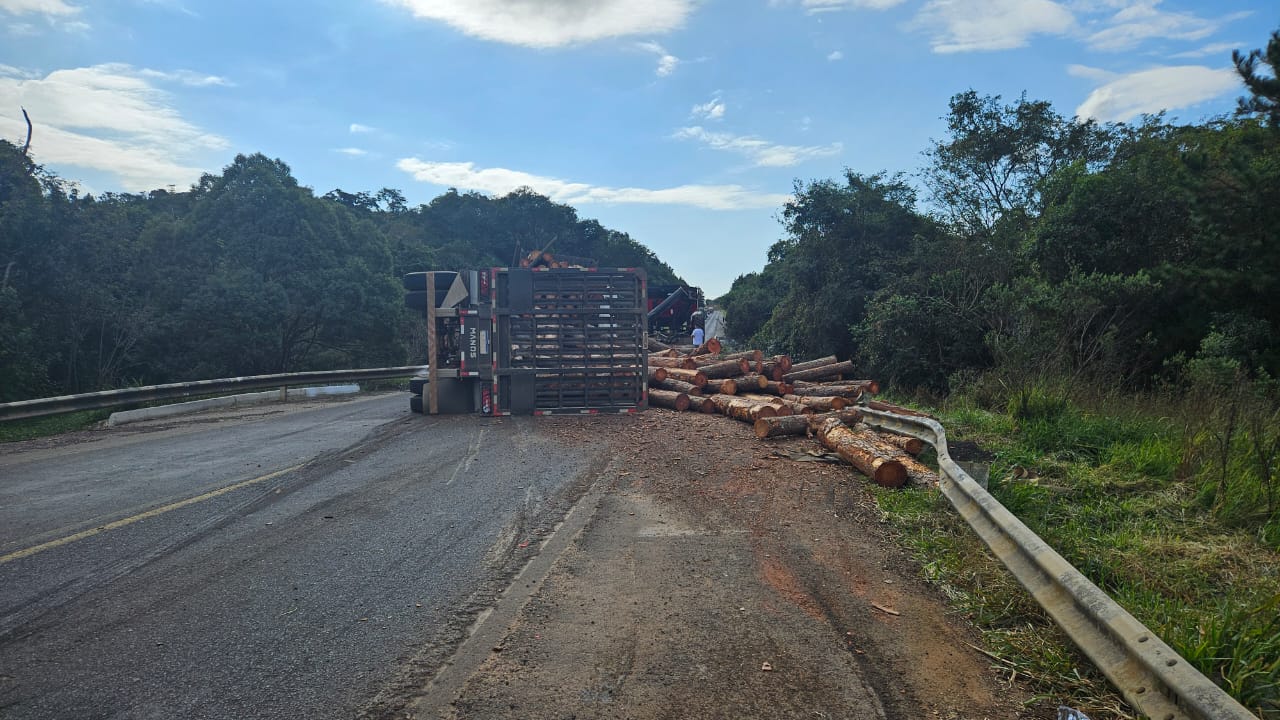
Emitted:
pixel 245 273
pixel 1125 254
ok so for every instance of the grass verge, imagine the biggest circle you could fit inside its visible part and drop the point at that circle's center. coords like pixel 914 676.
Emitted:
pixel 1114 494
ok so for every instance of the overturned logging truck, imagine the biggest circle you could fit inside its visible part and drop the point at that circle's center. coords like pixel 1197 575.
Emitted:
pixel 531 341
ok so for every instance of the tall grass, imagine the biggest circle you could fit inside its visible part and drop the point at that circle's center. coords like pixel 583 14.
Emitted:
pixel 1134 492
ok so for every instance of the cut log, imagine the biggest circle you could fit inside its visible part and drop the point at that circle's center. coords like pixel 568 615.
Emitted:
pixel 710 347
pixel 778 403
pixel 883 471
pixel 819 403
pixel 870 386
pixel 771 369
pixel 752 356
pixel 783 361
pixel 777 388
pixel 655 346
pixel 727 386
pixel 702 405
pixel 917 472
pixel 810 364
pixel 801 424
pixel 669 399
pixel 847 392
pixel 701 360
pixel 750 383
pixel 818 373
pixel 677 386
pixel 915 446
pixel 672 362
pixel 657 374
pixel 669 352
pixel 886 407
pixel 726 369
pixel 744 410
pixel 693 377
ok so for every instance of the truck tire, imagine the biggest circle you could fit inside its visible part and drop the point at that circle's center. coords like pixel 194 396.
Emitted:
pixel 415 403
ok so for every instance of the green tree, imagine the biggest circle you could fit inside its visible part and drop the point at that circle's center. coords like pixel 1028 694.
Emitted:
pixel 1264 99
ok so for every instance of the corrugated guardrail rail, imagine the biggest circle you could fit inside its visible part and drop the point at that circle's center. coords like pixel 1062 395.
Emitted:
pixel 1149 673
pixel 177 391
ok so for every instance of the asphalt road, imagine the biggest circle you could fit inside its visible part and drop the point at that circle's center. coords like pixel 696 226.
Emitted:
pixel 281 566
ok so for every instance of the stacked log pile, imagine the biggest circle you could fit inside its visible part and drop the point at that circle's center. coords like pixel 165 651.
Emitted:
pixel 818 398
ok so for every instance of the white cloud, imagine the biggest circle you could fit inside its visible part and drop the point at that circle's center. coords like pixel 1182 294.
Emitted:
pixel 1125 97
pixel 835 55
pixel 552 23
pixel 500 181
pixel 356 128
pixel 1223 49
pixel 712 109
pixel 38 7
pixel 666 61
pixel 108 118
pixel 761 152
pixel 187 77
pixel 1091 73
pixel 352 151
pixel 970 25
pixel 1140 20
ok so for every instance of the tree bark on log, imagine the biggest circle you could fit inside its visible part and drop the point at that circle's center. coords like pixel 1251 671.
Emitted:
pixel 752 356
pixel 869 386
pixel 751 383
pixel 810 364
pixel 655 346
pixel 886 407
pixel 914 446
pixel 778 403
pixel 693 377
pixel 777 388
pixel 828 403
pixel 727 386
pixel 669 399
pixel 726 369
pixel 801 424
pixel 771 369
pixel 702 404
pixel 744 410
pixel 677 386
pixel 657 374
pixel 917 472
pixel 699 361
pixel 819 372
pixel 850 393
pixel 883 471
pixel 672 362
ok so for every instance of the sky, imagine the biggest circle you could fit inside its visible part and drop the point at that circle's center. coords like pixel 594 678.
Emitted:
pixel 685 123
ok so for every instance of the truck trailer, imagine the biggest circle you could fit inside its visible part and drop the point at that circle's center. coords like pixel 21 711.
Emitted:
pixel 538 341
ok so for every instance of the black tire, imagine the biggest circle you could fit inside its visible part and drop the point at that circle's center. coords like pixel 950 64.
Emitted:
pixel 415 403
pixel 416 385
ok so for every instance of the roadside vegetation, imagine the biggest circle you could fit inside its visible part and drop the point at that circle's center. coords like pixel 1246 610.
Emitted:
pixel 1095 305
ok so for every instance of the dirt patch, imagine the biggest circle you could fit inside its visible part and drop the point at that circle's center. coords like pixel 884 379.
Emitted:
pixel 716 581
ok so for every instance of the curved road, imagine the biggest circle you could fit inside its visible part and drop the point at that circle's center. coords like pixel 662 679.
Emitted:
pixel 287 564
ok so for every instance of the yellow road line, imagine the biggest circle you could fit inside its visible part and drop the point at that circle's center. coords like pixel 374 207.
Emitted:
pixel 28 552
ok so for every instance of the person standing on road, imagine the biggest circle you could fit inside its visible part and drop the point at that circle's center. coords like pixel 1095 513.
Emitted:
pixel 697 336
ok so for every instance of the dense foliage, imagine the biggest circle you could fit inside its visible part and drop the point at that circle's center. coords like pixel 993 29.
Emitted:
pixel 247 272
pixel 1050 247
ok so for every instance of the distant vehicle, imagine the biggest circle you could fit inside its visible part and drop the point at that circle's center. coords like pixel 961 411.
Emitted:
pixel 671 311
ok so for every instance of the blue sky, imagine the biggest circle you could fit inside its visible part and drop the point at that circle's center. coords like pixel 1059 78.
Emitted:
pixel 682 122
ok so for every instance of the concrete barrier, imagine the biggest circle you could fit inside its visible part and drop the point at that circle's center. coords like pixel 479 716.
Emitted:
pixel 242 400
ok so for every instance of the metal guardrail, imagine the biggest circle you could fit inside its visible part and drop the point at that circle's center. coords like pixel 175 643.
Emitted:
pixel 177 391
pixel 1149 674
